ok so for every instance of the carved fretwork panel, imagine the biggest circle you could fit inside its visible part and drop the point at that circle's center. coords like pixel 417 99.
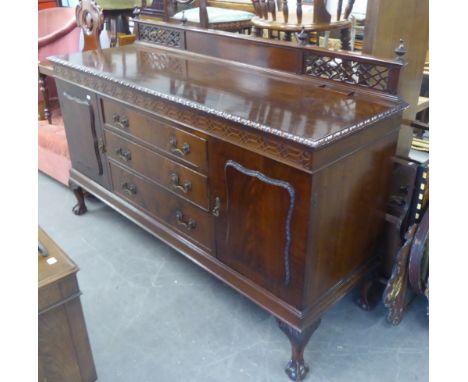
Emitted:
pixel 343 70
pixel 173 38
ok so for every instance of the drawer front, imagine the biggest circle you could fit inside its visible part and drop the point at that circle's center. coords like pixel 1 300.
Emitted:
pixel 171 140
pixel 179 179
pixel 188 219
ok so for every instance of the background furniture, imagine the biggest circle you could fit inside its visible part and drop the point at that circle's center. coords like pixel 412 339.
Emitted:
pixel 304 19
pixel 44 4
pixel 404 243
pixel 273 176
pixel 386 21
pixel 117 14
pixel 181 11
pixel 58 34
pixel 53 153
pixel 64 349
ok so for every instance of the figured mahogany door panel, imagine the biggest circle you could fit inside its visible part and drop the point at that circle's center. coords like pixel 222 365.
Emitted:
pixel 83 131
pixel 262 213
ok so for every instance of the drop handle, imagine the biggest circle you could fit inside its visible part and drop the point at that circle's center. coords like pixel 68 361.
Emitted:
pixel 129 189
pixel 124 154
pixel 175 181
pixel 189 223
pixel 121 122
pixel 216 207
pixel 178 151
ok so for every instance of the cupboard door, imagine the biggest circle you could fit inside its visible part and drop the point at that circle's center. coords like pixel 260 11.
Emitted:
pixel 83 130
pixel 261 218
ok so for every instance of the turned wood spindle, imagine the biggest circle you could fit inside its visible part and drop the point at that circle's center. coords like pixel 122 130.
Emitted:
pixel 348 9
pixel 339 10
pixel 272 9
pixel 257 8
pixel 285 11
pixel 299 11
pixel 45 97
pixel 264 9
pixel 321 15
pixel 278 5
pixel 204 14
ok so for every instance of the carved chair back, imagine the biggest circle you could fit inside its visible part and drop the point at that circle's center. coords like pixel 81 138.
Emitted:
pixel 90 19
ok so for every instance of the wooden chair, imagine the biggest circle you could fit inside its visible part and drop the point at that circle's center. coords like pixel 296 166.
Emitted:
pixel 183 11
pixel 302 19
pixel 116 16
pixel 53 154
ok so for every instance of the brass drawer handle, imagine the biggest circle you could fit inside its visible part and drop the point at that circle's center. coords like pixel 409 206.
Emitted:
pixel 124 154
pixel 188 224
pixel 217 207
pixel 121 122
pixel 175 150
pixel 129 189
pixel 175 181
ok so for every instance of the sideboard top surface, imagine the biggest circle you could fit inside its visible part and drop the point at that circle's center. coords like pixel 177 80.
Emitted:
pixel 300 109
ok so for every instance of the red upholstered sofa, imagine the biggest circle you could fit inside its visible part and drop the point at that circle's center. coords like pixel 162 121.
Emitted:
pixel 58 34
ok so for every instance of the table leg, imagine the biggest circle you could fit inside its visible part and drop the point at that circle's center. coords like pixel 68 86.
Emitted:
pixel 45 96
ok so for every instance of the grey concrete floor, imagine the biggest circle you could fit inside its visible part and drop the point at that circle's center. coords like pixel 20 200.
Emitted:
pixel 153 315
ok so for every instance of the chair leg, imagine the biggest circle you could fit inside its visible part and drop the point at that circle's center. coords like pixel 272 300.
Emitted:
pixel 326 36
pixel 113 31
pixel 45 96
pixel 345 39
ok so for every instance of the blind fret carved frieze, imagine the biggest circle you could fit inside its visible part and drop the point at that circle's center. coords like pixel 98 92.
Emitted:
pixel 161 36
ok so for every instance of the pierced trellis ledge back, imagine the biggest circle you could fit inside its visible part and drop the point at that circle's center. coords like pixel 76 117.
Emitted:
pixel 337 66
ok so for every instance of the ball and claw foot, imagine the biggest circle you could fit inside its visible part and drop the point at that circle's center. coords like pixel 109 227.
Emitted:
pixel 370 294
pixel 296 370
pixel 80 207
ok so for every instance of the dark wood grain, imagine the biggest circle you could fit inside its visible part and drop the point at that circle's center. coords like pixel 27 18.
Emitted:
pixel 156 134
pixel 189 185
pixel 251 235
pixel 162 205
pixel 64 349
pixel 83 130
pixel 293 170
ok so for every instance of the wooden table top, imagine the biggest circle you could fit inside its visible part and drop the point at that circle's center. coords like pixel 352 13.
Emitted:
pixel 304 109
pixel 56 264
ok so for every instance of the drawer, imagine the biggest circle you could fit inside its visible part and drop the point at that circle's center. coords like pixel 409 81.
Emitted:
pixel 157 134
pixel 188 219
pixel 175 177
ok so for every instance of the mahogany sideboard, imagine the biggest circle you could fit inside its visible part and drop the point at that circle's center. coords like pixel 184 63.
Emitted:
pixel 265 163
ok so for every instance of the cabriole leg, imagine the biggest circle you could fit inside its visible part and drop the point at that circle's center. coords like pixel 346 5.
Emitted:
pixel 80 207
pixel 297 369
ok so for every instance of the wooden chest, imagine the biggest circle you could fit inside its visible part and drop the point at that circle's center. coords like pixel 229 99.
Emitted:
pixel 266 172
pixel 64 350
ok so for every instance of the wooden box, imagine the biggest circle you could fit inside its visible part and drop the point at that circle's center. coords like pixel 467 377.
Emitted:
pixel 64 349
